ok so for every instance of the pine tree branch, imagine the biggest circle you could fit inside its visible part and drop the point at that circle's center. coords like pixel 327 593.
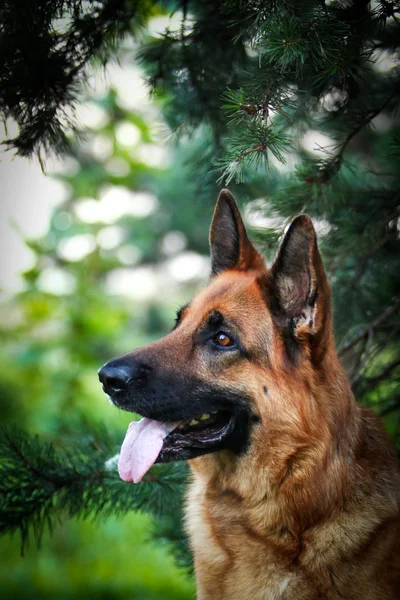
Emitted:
pixel 370 383
pixel 365 121
pixel 373 326
pixel 370 352
pixel 330 167
pixel 40 483
pixel 30 467
pixel 259 148
pixel 39 88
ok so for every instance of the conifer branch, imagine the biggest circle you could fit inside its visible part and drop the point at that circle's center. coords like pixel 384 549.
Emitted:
pixel 39 89
pixel 41 483
pixel 369 383
pixel 330 167
pixel 363 123
pixel 366 331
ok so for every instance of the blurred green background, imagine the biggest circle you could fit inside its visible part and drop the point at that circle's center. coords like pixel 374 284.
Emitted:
pixel 124 249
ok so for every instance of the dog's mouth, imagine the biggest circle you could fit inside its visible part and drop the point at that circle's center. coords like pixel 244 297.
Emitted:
pixel 149 441
pixel 204 432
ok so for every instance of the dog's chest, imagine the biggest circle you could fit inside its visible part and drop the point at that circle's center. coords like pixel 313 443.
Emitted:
pixel 231 560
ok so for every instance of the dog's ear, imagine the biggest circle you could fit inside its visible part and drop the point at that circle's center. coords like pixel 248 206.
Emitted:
pixel 230 247
pixel 299 283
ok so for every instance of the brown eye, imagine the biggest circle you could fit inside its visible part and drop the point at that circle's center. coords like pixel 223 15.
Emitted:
pixel 222 339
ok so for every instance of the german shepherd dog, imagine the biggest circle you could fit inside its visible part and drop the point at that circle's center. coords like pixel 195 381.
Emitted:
pixel 295 489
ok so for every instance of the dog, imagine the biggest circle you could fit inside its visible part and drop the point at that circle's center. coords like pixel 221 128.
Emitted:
pixel 295 489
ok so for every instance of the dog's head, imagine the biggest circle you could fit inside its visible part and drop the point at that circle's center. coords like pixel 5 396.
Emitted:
pixel 240 352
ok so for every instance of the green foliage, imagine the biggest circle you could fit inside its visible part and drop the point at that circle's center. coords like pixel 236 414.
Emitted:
pixel 104 559
pixel 53 342
pixel 40 483
pixel 38 89
pixel 241 155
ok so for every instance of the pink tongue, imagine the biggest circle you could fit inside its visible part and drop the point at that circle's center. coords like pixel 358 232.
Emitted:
pixel 141 446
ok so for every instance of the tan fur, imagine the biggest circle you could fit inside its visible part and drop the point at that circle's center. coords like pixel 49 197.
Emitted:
pixel 316 497
pixel 311 510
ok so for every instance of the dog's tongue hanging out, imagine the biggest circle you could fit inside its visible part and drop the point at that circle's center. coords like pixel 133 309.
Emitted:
pixel 141 447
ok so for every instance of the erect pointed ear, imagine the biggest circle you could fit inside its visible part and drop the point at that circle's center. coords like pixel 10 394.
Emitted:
pixel 299 282
pixel 230 247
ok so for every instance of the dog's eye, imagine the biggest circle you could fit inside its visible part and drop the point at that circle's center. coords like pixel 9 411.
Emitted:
pixel 223 340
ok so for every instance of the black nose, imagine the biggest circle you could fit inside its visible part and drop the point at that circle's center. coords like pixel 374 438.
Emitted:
pixel 118 373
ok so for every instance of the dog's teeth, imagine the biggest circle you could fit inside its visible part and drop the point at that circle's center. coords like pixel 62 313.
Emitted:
pixel 193 422
pixel 204 417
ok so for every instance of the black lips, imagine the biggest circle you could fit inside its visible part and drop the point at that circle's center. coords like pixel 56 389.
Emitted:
pixel 231 433
pixel 168 396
